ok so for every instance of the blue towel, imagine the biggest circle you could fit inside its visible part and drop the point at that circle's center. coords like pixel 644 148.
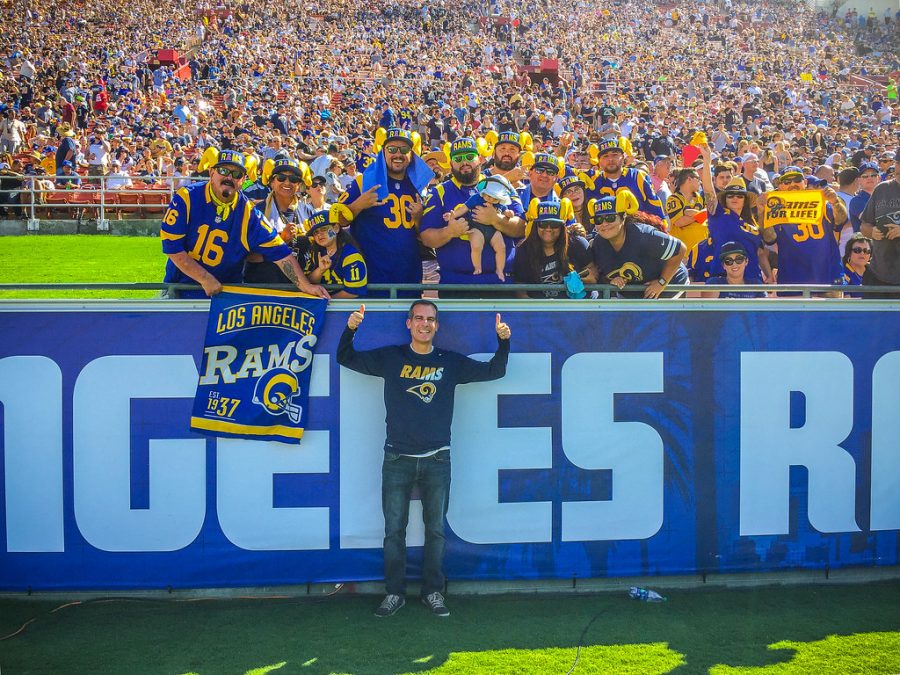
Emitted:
pixel 418 173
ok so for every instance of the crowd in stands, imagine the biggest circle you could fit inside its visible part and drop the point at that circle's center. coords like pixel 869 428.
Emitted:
pixel 777 88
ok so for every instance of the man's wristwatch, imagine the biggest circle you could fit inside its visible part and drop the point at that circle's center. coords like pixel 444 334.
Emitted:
pixel 662 282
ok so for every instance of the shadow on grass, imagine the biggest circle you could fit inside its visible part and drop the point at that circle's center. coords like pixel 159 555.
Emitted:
pixel 693 632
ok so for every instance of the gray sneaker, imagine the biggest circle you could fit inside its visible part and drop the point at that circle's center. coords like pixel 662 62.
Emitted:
pixel 390 605
pixel 435 601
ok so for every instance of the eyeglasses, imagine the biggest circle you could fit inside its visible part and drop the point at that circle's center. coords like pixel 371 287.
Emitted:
pixel 318 184
pixel 859 249
pixel 281 177
pixel 606 219
pixel 465 157
pixel 736 260
pixel 395 149
pixel 791 181
pixel 237 174
pixel 549 226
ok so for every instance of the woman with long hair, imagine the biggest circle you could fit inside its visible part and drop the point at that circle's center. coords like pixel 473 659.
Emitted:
pixel 336 258
pixel 629 252
pixel 731 218
pixel 685 206
pixel 543 256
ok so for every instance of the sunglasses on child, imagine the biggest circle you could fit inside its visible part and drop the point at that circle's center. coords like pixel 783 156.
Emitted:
pixel 736 260
pixel 237 174
pixel 281 177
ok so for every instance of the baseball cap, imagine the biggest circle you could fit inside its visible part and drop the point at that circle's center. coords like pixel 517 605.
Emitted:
pixel 749 157
pixel 545 160
pixel 286 165
pixel 791 171
pixel 319 219
pixel 462 146
pixel 549 212
pixel 230 157
pixel 731 248
pixel 608 145
pixel 598 208
pixel 510 137
pixel 571 180
pixel 396 134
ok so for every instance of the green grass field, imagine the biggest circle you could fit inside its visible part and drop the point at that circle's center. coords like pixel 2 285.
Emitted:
pixel 55 259
pixel 824 629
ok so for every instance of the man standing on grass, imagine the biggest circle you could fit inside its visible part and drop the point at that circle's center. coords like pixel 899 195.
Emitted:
pixel 419 386
pixel 210 228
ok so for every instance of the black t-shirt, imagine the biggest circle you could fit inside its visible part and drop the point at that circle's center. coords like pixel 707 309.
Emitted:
pixel 419 389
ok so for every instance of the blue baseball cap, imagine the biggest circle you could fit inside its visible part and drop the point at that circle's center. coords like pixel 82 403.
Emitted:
pixel 568 181
pixel 510 137
pixel 545 159
pixel 462 146
pixel 230 158
pixel 286 165
pixel 319 219
pixel 608 145
pixel 598 208
pixel 549 212
pixel 396 134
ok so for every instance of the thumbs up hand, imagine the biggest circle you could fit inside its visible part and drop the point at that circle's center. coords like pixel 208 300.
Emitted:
pixel 356 318
pixel 503 331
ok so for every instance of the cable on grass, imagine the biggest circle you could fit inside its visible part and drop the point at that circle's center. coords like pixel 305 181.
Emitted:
pixel 581 641
pixel 98 601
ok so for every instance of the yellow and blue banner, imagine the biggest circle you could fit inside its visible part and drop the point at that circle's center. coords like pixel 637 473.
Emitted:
pixel 794 207
pixel 254 377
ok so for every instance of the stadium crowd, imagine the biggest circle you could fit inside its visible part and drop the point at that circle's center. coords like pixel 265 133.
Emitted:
pixel 691 107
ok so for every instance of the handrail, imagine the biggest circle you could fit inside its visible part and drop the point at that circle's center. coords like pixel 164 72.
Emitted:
pixel 606 291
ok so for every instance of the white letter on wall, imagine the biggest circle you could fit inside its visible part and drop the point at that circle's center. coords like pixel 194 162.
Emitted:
pixel 101 457
pixel 593 440
pixel 481 450
pixel 31 391
pixel 885 499
pixel 769 446
pixel 245 486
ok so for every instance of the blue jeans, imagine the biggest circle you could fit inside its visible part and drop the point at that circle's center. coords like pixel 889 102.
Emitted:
pixel 399 474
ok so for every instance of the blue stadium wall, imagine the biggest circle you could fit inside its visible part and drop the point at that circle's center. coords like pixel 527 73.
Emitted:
pixel 626 439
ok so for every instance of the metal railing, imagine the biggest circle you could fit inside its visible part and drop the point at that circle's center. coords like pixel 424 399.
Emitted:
pixel 504 291
pixel 103 199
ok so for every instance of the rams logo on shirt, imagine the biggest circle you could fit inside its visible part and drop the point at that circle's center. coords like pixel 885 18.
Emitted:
pixel 629 272
pixel 424 391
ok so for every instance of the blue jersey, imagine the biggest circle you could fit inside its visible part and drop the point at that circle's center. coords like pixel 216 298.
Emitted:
pixel 348 270
pixel 640 185
pixel 455 257
pixel 641 258
pixel 809 254
pixel 365 159
pixel 855 208
pixel 387 235
pixel 191 224
pixel 725 225
pixel 406 118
